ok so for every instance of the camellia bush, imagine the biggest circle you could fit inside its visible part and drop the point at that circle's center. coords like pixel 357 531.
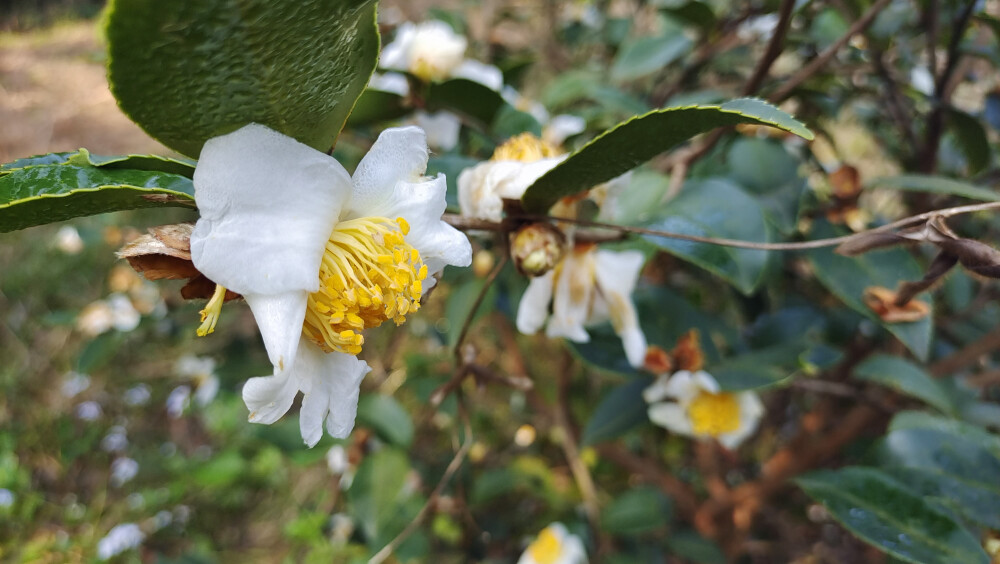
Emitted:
pixel 638 281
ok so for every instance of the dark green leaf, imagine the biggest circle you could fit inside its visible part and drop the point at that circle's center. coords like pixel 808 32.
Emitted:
pixel 641 138
pixel 971 138
pixel 190 71
pixel 377 106
pixel 510 121
pixel 42 194
pixel 692 547
pixel 466 98
pixel 376 491
pixel 646 55
pixel 765 169
pixel 696 13
pixel 82 157
pixel 920 420
pixel 386 417
pixel 637 511
pixel 892 518
pixel 619 411
pixel 847 279
pixel 716 208
pixel 904 377
pixel 934 185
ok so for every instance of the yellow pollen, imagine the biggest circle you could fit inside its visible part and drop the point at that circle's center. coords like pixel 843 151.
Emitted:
pixel 714 414
pixel 525 148
pixel 213 309
pixel 546 549
pixel 369 275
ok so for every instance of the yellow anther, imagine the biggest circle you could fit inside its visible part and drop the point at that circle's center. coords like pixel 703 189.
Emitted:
pixel 213 309
pixel 525 148
pixel 369 274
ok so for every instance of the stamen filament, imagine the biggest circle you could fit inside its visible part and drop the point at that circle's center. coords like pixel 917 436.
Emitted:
pixel 213 309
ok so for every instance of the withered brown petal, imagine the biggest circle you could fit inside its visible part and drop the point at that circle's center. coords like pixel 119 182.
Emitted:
pixel 846 182
pixel 687 354
pixel 176 236
pixel 162 267
pixel 201 288
pixel 883 302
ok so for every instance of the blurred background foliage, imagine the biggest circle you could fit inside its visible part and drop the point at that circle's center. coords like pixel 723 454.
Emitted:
pixel 102 423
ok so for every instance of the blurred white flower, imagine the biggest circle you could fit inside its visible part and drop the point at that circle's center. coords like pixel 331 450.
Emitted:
pixel 442 128
pixel 336 460
pixel 590 286
pixel 201 371
pixel 162 519
pixel 137 395
pixel 119 539
pixel 116 440
pixel 124 316
pixel 68 240
pixel 334 256
pixel 341 528
pixel 6 498
pixel 554 545
pixel 88 410
pixel 178 401
pixel 757 27
pixel 115 312
pixel 701 409
pixel 74 383
pixel 123 469
pixel 922 80
pixel 562 127
pixel 583 12
pixel 515 165
pixel 433 51
pixel 391 82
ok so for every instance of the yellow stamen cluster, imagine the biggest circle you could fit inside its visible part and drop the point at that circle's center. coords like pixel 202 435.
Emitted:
pixel 525 148
pixel 546 548
pixel 213 309
pixel 369 274
pixel 714 414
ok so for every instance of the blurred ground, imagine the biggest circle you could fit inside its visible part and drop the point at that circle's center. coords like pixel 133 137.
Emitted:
pixel 54 96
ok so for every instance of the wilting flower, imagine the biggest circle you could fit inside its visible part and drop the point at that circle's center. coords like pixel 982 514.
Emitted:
pixel 515 165
pixel 590 286
pixel 554 545
pixel 433 51
pixel 319 257
pixel 701 409
pixel 120 539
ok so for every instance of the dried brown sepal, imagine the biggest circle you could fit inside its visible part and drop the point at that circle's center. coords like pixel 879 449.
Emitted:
pixel 657 361
pixel 165 254
pixel 687 354
pixel 846 183
pixel 883 302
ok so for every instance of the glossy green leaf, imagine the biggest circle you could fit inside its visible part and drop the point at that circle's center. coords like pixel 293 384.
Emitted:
pixel 190 71
pixel 618 412
pixel 376 106
pixel 647 55
pixel 891 517
pixel 386 417
pixel 641 138
pixel 40 194
pixel 934 185
pixel 82 157
pixel 957 471
pixel 375 493
pixel 467 98
pixel 847 279
pixel 765 169
pixel 922 420
pixel 905 377
pixel 716 208
pixel 971 137
pixel 637 511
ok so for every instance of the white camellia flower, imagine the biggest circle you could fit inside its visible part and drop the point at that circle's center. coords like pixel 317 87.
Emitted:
pixel 590 286
pixel 442 128
pixel 433 51
pixel 554 545
pixel 701 409
pixel 119 539
pixel 515 165
pixel 555 129
pixel 319 256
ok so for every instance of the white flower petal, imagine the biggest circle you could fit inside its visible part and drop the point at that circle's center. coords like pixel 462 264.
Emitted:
pixel 657 391
pixel 573 293
pixel 482 188
pixel 705 381
pixel 330 384
pixel 681 386
pixel 396 55
pixel 279 318
pixel 616 274
pixel 268 205
pixel 269 397
pixel 562 127
pixel 392 82
pixel 671 417
pixel 442 128
pixel 534 307
pixel 398 155
pixel 487 75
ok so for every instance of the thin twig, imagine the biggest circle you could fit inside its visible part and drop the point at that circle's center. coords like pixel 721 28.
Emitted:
pixel 773 48
pixel 479 300
pixel 453 467
pixel 967 355
pixel 823 58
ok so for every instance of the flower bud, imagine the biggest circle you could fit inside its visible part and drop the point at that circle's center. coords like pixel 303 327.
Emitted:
pixel 537 248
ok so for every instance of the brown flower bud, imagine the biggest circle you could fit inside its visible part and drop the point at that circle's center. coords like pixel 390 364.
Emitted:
pixel 688 354
pixel 657 361
pixel 537 248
